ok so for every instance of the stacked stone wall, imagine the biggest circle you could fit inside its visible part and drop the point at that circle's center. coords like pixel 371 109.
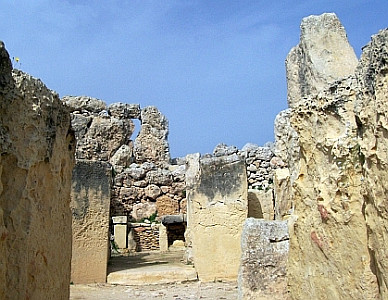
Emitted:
pixel 146 236
pixel 144 182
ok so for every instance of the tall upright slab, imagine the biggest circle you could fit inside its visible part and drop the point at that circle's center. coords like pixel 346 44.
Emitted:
pixel 90 201
pixel 37 157
pixel 217 209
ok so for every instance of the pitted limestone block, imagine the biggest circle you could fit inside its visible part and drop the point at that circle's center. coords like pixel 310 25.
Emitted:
pixel 122 158
pixel 165 205
pixel 372 115
pixel 152 191
pixel 340 226
pixel 151 143
pixel 287 142
pixel 264 247
pixel 322 56
pixel 84 103
pixel 143 210
pixel 284 205
pixel 104 137
pixel 124 110
pixel 37 157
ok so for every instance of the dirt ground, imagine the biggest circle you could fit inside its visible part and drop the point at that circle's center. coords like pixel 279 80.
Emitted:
pixel 174 291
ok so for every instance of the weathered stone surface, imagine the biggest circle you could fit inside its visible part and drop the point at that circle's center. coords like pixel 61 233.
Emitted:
pixel 84 103
pixel 122 158
pixel 284 205
pixel 90 208
pixel 322 56
pixel 37 156
pixel 124 110
pixel 167 206
pixel 151 143
pixel 163 238
pixel 103 138
pixel 160 177
pixel 120 235
pixel 339 228
pixel 143 210
pixel 264 247
pixel 217 208
pixel 372 115
pixel 328 202
pixel 223 149
pixel 287 142
pixel 152 191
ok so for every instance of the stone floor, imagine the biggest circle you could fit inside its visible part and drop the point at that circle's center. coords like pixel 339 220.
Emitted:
pixel 153 275
pixel 149 268
pixel 175 291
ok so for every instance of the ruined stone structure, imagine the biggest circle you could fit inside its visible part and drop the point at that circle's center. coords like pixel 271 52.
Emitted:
pixel 130 180
pixel 338 224
pixel 324 181
pixel 144 181
pixel 37 157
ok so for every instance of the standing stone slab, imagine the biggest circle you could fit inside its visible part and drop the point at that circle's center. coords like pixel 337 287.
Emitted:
pixel 265 246
pixel 90 207
pixel 37 157
pixel 217 209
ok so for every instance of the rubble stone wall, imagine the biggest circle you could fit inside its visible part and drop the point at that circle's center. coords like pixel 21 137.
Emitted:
pixel 37 157
pixel 146 236
pixel 144 180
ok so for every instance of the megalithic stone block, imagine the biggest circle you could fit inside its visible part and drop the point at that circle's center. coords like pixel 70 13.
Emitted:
pixel 90 207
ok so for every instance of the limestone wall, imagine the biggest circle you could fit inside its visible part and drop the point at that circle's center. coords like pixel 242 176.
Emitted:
pixel 338 228
pixel 37 157
pixel 90 202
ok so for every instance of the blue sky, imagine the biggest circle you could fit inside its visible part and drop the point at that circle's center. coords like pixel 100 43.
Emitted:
pixel 214 68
